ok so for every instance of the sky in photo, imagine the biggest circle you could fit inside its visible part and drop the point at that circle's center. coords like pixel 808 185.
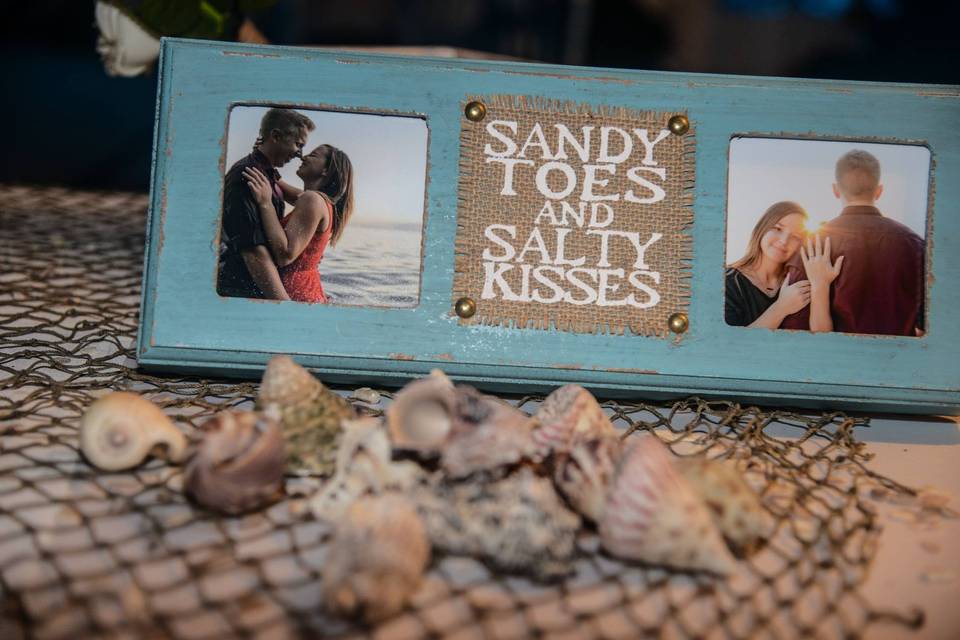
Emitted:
pixel 763 171
pixel 388 153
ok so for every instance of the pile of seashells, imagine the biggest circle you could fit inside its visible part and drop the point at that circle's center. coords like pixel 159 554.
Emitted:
pixel 450 469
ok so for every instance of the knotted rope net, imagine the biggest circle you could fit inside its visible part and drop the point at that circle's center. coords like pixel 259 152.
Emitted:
pixel 87 553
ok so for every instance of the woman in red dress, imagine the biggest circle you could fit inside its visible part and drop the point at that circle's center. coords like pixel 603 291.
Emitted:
pixel 319 217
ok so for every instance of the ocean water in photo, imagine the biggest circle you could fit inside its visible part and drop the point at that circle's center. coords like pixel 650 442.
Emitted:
pixel 373 265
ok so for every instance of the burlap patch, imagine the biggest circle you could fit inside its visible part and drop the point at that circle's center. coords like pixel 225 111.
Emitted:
pixel 529 267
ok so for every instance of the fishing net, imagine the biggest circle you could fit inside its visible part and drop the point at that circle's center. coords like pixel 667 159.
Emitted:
pixel 86 553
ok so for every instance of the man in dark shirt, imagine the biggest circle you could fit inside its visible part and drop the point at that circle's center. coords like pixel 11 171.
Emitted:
pixel 880 286
pixel 246 269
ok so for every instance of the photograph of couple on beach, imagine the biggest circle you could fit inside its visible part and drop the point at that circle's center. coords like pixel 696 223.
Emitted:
pixel 323 207
pixel 827 236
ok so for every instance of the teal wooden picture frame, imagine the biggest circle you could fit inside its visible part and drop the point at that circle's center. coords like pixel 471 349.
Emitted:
pixel 186 326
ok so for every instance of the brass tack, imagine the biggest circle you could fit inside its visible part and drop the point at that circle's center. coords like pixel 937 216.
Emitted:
pixel 679 124
pixel 475 111
pixel 465 307
pixel 678 322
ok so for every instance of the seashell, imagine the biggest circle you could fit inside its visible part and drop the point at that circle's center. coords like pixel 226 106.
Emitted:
pixel 366 394
pixel 486 433
pixel 238 465
pixel 363 466
pixel 655 516
pixel 471 431
pixel 119 430
pixel 736 509
pixel 569 415
pixel 376 558
pixel 419 419
pixel 516 524
pixel 310 415
pixel 584 474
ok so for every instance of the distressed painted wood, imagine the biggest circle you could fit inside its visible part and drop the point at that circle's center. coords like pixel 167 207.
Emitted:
pixel 186 326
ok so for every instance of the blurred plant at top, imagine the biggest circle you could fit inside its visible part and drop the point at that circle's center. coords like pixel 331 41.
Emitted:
pixel 130 30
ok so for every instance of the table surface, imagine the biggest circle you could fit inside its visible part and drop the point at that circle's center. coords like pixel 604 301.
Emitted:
pixel 69 283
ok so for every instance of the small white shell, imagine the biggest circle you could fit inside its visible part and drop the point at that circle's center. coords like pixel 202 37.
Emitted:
pixel 655 516
pixel 376 558
pixel 419 419
pixel 121 429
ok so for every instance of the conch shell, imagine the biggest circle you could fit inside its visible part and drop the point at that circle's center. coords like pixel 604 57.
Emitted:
pixel 735 507
pixel 471 431
pixel 376 558
pixel 585 473
pixel 121 429
pixel 655 516
pixel 363 466
pixel 309 413
pixel 517 523
pixel 238 466
pixel 570 415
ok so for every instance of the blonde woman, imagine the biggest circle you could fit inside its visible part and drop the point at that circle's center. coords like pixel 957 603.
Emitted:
pixel 758 294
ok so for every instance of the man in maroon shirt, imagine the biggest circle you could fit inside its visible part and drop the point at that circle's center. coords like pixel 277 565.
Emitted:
pixel 880 287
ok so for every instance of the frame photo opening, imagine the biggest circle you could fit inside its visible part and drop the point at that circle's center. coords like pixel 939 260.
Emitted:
pixel 323 207
pixel 827 236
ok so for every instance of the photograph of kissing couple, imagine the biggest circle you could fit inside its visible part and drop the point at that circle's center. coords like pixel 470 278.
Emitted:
pixel 826 236
pixel 307 186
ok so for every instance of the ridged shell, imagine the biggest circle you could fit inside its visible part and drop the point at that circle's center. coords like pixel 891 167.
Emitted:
pixel 570 415
pixel 309 413
pixel 585 473
pixel 363 466
pixel 419 418
pixel 376 558
pixel 121 429
pixel 735 507
pixel 239 463
pixel 486 434
pixel 655 516
pixel 517 524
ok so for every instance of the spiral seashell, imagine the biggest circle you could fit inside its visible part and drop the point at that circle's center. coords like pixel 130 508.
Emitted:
pixel 655 516
pixel 570 415
pixel 516 524
pixel 121 429
pixel 585 473
pixel 238 465
pixel 376 558
pixel 420 417
pixel 363 466
pixel 736 509
pixel 471 431
pixel 310 415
